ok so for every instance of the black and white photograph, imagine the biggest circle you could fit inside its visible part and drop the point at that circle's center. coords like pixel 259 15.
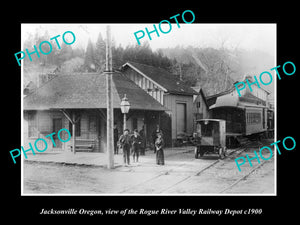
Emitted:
pixel 144 112
pixel 144 109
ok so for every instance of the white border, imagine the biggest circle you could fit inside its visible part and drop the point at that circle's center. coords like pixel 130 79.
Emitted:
pixel 116 194
pixel 275 115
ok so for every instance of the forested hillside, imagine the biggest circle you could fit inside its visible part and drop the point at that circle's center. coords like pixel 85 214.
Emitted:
pixel 220 68
pixel 215 70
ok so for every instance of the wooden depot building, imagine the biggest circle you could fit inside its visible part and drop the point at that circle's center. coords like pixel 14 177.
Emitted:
pixel 155 96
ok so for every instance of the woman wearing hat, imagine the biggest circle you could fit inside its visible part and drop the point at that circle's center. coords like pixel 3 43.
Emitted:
pixel 159 143
pixel 154 135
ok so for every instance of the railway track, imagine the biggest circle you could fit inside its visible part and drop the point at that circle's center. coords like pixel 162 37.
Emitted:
pixel 198 173
pixel 242 178
pixel 234 154
pixel 207 168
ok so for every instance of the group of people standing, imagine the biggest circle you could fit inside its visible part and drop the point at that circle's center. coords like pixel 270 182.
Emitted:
pixel 135 144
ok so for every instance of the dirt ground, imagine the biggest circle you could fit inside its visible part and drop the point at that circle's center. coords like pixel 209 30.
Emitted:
pixel 182 174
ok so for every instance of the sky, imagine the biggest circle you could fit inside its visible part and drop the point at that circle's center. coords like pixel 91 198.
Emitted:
pixel 245 36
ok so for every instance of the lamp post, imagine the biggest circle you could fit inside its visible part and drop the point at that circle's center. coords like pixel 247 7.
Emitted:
pixel 125 106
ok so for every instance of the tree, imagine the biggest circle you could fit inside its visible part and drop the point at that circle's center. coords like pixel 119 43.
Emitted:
pixel 28 44
pixel 35 40
pixel 117 57
pixel 72 65
pixel 89 59
pixel 64 54
pixel 100 50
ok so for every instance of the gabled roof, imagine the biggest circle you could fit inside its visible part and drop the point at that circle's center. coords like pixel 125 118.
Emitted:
pixel 201 92
pixel 162 78
pixel 88 90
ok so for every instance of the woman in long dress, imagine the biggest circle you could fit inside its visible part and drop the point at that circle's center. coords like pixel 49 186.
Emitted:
pixel 159 143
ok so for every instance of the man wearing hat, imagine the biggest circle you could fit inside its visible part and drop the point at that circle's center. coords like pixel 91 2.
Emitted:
pixel 125 142
pixel 136 141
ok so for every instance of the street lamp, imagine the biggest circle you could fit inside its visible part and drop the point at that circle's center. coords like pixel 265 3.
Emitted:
pixel 125 106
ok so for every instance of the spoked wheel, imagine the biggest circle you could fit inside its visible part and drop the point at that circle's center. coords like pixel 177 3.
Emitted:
pixel 222 152
pixel 196 153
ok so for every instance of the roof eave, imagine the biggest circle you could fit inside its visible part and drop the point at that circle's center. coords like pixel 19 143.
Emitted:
pixel 140 72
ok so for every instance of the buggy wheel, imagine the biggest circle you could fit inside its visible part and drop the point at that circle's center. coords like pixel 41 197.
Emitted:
pixel 224 151
pixel 196 152
pixel 221 153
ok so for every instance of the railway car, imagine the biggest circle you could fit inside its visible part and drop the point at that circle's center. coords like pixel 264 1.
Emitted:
pixel 270 123
pixel 244 120
pixel 245 116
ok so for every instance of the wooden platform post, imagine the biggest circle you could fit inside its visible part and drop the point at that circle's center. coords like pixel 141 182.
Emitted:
pixel 73 121
pixel 73 133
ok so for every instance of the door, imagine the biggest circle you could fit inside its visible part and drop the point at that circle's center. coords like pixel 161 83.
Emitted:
pixel 134 123
pixel 57 125
pixel 180 118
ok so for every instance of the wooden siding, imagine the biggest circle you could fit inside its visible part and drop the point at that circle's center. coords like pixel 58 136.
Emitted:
pixel 199 113
pixel 203 107
pixel 91 128
pixel 44 126
pixel 147 85
pixel 170 102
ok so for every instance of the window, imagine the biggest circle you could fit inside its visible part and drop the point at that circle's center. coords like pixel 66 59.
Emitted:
pixel 32 124
pixel 253 118
pixel 198 104
pixel 207 129
pixel 92 123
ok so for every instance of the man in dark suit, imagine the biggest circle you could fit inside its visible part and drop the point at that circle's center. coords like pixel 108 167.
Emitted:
pixel 116 138
pixel 136 141
pixel 125 142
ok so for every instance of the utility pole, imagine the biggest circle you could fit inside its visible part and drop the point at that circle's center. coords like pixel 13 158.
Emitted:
pixel 109 102
pixel 73 133
pixel 124 121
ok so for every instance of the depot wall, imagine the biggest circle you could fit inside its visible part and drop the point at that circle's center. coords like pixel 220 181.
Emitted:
pixel 171 101
pixel 39 123
pixel 36 124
